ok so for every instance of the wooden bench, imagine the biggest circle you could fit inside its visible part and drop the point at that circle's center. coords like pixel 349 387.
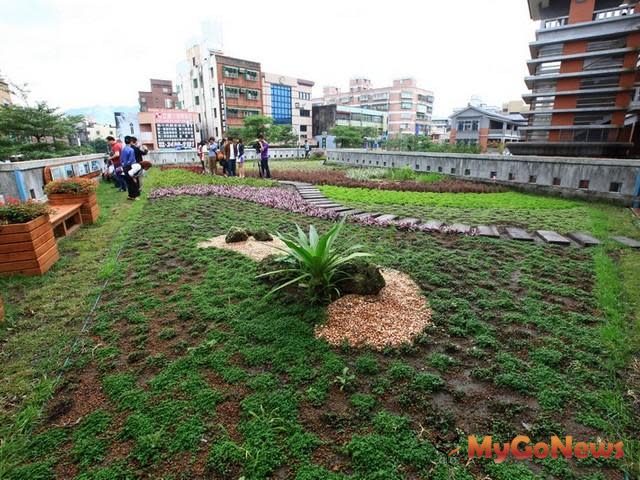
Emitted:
pixel 65 219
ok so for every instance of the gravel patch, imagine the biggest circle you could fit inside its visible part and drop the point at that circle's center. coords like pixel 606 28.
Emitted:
pixel 394 317
pixel 251 248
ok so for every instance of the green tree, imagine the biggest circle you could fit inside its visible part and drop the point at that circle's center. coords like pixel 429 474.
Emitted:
pixel 348 137
pixel 100 145
pixel 39 122
pixel 256 125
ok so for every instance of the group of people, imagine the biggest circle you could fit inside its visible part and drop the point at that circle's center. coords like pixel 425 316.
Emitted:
pixel 230 154
pixel 126 165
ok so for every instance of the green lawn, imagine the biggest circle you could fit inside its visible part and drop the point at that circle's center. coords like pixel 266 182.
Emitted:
pixel 508 208
pixel 190 372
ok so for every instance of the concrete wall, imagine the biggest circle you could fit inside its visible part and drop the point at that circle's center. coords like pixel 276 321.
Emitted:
pixel 25 180
pixel 190 156
pixel 542 170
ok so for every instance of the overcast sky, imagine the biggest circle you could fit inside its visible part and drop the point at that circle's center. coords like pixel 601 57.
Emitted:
pixel 77 53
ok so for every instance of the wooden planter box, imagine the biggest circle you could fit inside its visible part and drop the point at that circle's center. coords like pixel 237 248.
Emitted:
pixel 89 211
pixel 27 248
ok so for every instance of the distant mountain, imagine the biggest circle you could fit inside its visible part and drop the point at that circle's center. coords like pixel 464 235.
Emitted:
pixel 102 113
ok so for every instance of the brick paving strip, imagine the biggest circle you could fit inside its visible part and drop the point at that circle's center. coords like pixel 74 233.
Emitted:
pixel 315 197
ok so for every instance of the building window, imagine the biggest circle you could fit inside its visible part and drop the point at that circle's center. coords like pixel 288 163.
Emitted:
pixel 233 113
pixel 165 90
pixel 406 95
pixel 197 100
pixel 406 105
pixel 168 103
pixel 143 100
pixel 232 92
pixel 193 61
pixel 195 83
pixel 556 181
pixel 305 113
pixel 281 104
pixel 230 72
pixel 533 178
pixel 304 95
pixel 583 184
pixel 251 75
pixel 440 169
pixel 512 177
pixel 215 112
pixel 493 175
pixel 468 126
pixel 213 92
pixel 252 94
pixel 303 128
pixel 453 171
pixel 615 187
pixel 467 171
pixel 428 168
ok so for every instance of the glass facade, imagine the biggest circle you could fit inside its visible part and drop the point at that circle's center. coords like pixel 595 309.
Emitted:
pixel 281 104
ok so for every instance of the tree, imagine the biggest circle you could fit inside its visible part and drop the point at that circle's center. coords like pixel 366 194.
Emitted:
pixel 348 137
pixel 40 122
pixel 100 145
pixel 256 125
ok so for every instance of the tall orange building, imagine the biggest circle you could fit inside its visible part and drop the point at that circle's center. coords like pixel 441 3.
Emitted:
pixel 583 79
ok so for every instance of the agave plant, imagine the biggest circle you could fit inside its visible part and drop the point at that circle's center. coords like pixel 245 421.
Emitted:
pixel 314 261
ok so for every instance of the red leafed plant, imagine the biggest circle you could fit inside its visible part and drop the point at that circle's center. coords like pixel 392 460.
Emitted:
pixel 15 211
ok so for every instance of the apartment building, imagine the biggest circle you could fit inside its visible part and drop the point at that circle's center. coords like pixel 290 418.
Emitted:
pixel 161 95
pixel 326 117
pixel 408 106
pixel 486 128
pixel 288 101
pixel 583 79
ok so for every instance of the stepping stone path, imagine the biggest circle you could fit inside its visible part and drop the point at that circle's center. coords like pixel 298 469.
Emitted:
pixel 628 242
pixel 519 234
pixel 488 231
pixel 583 239
pixel 460 228
pixel 316 198
pixel 552 237
pixel 433 225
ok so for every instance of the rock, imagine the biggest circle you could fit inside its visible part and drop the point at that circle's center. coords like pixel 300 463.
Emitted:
pixel 236 234
pixel 262 235
pixel 360 277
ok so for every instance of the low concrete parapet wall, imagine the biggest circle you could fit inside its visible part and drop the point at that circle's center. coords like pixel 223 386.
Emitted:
pixel 171 157
pixel 615 180
pixel 25 180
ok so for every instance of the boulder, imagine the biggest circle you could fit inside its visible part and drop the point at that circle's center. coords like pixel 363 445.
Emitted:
pixel 262 235
pixel 359 277
pixel 236 234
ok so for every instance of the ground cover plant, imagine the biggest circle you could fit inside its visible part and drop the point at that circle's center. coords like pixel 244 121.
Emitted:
pixel 395 180
pixel 503 208
pixel 198 375
pixel 16 211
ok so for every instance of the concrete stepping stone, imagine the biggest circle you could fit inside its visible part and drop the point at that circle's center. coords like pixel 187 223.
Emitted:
pixel 409 221
pixel 313 197
pixel 329 206
pixel 365 215
pixel 488 231
pixel 432 225
pixel 339 209
pixel 583 239
pixel 459 228
pixel 550 236
pixel 519 234
pixel 386 218
pixel 349 213
pixel 628 242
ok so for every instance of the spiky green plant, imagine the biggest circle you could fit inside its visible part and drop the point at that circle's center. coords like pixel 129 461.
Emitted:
pixel 314 261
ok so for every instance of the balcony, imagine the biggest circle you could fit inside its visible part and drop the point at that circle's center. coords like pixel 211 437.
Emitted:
pixel 608 13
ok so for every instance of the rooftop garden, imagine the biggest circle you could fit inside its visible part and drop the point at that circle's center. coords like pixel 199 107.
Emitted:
pixel 149 351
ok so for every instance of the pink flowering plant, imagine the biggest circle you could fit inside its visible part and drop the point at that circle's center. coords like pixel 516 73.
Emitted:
pixel 281 199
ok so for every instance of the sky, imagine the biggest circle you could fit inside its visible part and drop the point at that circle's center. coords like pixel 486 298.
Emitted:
pixel 79 53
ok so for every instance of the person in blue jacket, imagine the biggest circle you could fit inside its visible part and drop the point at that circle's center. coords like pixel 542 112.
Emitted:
pixel 128 158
